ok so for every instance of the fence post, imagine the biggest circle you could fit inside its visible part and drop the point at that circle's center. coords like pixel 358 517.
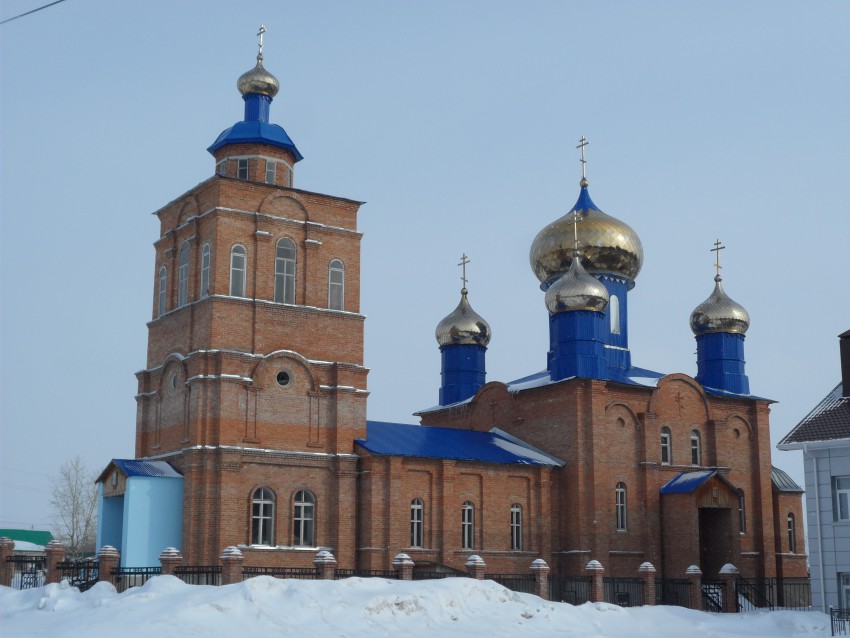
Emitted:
pixel 475 566
pixel 7 549
pixel 54 554
pixel 541 577
pixel 647 570
pixel 107 560
pixel 231 565
pixel 403 565
pixel 325 564
pixel 597 589
pixel 694 574
pixel 729 574
pixel 170 559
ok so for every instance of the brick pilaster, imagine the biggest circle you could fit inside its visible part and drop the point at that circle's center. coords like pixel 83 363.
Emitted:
pixel 325 564
pixel 694 574
pixel 107 560
pixel 55 554
pixel 647 571
pixel 597 589
pixel 475 566
pixel 170 559
pixel 7 549
pixel 541 577
pixel 403 565
pixel 729 575
pixel 231 565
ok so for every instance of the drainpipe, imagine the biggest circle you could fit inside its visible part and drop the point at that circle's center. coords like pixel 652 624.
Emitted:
pixel 820 534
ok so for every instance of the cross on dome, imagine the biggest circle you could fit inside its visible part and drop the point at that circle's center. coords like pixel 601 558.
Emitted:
pixel 716 250
pixel 260 33
pixel 463 261
pixel 581 144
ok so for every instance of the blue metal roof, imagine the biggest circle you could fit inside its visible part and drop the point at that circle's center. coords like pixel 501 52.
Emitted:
pixel 159 469
pixel 254 131
pixel 686 482
pixel 398 439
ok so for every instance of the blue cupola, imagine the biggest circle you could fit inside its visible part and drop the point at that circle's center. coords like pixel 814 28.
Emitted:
pixel 463 336
pixel 720 325
pixel 258 88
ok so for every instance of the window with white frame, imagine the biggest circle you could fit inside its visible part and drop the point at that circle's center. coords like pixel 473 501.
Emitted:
pixel 262 517
pixel 841 498
pixel 238 262
pixel 742 513
pixel 792 535
pixel 467 526
pixel 289 177
pixel 284 271
pixel 221 167
pixel 696 448
pixel 271 171
pixel 183 276
pixel 844 590
pixel 417 523
pixel 620 500
pixel 242 168
pixel 336 285
pixel 205 270
pixel 516 527
pixel 666 446
pixel 304 520
pixel 614 313
pixel 163 287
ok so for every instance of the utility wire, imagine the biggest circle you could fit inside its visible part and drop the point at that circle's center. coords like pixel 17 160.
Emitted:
pixel 29 12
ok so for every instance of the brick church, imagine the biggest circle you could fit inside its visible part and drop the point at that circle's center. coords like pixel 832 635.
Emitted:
pixel 252 423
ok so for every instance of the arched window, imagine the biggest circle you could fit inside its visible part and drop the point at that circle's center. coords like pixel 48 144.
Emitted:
pixel 742 512
pixel 205 271
pixel 620 500
pixel 614 314
pixel 516 527
pixel 417 523
pixel 183 276
pixel 336 285
pixel 238 264
pixel 696 451
pixel 262 517
pixel 304 520
pixel 467 526
pixel 284 272
pixel 666 446
pixel 163 287
pixel 792 536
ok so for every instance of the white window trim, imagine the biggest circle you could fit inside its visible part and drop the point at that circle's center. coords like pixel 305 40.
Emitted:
pixel 162 298
pixel 302 506
pixel 666 446
pixel 243 270
pixel 417 523
pixel 621 507
pixel 516 527
pixel 340 285
pixel 467 526
pixel 206 261
pixel 262 524
pixel 696 448
pixel 183 275
pixel 282 272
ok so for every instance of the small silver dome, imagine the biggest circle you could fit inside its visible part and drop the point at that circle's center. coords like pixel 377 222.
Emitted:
pixel 719 313
pixel 576 290
pixel 463 326
pixel 258 80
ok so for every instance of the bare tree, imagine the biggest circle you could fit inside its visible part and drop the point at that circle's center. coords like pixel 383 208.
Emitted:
pixel 74 504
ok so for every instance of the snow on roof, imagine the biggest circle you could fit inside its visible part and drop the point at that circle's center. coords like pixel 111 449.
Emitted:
pixel 399 439
pixel 133 467
pixel 686 482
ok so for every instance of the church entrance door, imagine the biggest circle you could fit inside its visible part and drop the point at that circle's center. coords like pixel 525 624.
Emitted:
pixel 715 538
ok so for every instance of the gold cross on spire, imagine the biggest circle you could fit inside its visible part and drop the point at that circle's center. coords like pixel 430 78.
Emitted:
pixel 716 250
pixel 260 33
pixel 463 261
pixel 581 144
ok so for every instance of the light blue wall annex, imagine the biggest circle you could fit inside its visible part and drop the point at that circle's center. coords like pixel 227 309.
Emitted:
pixel 110 520
pixel 153 519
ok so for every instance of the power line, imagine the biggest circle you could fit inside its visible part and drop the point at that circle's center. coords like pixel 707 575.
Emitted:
pixel 32 11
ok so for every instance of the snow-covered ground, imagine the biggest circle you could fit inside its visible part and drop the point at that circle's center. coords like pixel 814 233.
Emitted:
pixel 372 607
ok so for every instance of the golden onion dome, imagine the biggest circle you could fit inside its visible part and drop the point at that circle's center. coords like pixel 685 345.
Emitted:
pixel 258 80
pixel 606 244
pixel 576 290
pixel 463 326
pixel 719 313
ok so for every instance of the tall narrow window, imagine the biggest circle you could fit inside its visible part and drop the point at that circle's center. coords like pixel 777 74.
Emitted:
pixel 238 259
pixel 614 313
pixel 666 447
pixel 163 287
pixel 242 169
pixel 844 594
pixel 417 523
pixel 696 451
pixel 284 272
pixel 205 271
pixel 183 276
pixel 304 519
pixel 467 526
pixel 221 167
pixel 336 285
pixel 262 517
pixel 516 527
pixel 271 171
pixel 792 536
pixel 620 500
pixel 742 513
pixel 841 498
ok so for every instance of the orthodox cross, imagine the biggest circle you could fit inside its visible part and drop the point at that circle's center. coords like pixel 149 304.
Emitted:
pixel 716 250
pixel 260 33
pixel 463 261
pixel 581 144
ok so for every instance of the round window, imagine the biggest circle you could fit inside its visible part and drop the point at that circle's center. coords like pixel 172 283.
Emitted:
pixel 283 378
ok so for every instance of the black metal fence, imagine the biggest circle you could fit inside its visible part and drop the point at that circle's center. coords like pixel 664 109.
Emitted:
pixel 524 583
pixel 79 573
pixel 27 571
pixel 755 594
pixel 366 573
pixel 433 575
pixel 303 573
pixel 712 595
pixel 126 577
pixel 839 621
pixel 199 575
pixel 626 592
pixel 673 591
pixel 569 589
pixel 792 593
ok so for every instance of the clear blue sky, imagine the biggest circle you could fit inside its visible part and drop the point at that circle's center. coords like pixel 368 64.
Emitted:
pixel 457 123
